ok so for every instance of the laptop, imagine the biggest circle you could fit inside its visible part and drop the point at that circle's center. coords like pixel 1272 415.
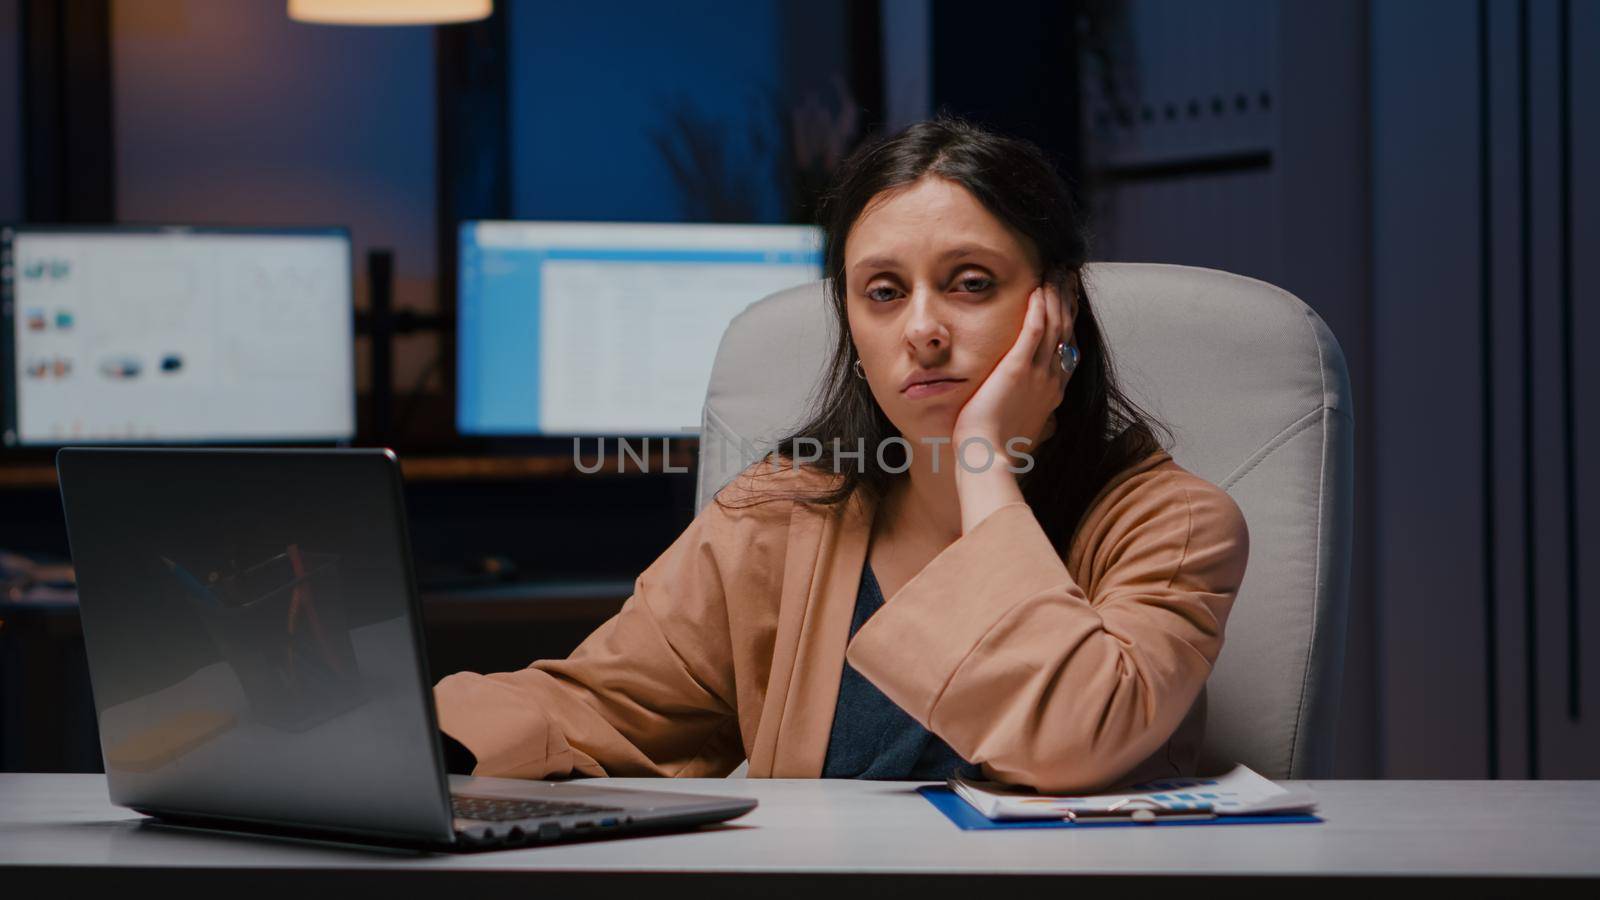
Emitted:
pixel 256 655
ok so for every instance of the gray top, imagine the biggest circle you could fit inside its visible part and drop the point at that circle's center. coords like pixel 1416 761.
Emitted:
pixel 873 738
pixel 1544 828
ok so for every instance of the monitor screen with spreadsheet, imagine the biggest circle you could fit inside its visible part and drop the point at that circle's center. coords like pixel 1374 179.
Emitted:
pixel 124 334
pixel 585 328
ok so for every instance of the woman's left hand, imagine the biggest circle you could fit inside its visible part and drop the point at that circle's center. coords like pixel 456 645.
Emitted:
pixel 1016 401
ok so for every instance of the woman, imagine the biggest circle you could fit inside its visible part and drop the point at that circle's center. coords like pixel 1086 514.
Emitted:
pixel 1056 585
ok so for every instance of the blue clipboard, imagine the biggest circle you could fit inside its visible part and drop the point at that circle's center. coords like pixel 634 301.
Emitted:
pixel 966 818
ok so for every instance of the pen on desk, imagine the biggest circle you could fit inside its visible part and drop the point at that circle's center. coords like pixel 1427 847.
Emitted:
pixel 1141 816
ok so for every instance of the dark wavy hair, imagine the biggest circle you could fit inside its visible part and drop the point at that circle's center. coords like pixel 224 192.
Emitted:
pixel 1099 430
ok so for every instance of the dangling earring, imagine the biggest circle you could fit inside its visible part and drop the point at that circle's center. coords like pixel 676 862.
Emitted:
pixel 860 373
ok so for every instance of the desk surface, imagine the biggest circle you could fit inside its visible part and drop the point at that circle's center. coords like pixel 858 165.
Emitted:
pixel 1373 829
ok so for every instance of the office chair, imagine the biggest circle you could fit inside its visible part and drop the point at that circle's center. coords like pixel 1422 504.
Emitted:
pixel 1254 388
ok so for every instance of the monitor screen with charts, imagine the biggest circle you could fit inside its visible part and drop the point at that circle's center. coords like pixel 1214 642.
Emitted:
pixel 573 328
pixel 127 335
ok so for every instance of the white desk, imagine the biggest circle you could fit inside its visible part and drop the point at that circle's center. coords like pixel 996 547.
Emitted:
pixel 841 838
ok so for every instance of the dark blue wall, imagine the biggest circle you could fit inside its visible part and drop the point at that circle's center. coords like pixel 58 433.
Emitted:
pixel 590 82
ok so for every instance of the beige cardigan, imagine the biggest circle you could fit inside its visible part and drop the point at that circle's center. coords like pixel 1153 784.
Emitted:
pixel 1065 676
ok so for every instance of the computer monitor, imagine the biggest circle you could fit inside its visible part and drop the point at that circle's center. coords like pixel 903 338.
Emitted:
pixel 127 334
pixel 574 328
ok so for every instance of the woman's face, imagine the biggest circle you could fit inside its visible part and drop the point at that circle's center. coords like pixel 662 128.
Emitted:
pixel 936 291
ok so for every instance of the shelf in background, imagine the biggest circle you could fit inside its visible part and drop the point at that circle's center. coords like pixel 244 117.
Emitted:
pixel 41 475
pixel 18 476
pixel 525 602
pixel 517 602
pixel 511 468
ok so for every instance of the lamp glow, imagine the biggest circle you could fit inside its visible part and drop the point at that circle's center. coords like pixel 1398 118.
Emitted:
pixel 389 12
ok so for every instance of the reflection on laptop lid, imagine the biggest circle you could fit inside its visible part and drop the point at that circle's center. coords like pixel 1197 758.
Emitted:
pixel 256 656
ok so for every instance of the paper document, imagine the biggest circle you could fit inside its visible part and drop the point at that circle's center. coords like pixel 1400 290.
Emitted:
pixel 1240 792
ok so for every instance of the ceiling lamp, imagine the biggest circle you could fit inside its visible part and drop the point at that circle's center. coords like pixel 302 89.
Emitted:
pixel 389 12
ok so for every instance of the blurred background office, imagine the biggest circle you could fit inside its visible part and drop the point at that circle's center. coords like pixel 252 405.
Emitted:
pixel 1425 175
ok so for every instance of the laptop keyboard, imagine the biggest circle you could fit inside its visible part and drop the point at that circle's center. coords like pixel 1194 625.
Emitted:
pixel 499 809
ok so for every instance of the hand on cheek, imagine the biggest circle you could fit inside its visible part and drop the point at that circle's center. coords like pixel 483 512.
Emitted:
pixel 1011 411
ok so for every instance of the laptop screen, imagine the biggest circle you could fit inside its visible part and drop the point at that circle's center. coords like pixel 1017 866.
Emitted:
pixel 252 637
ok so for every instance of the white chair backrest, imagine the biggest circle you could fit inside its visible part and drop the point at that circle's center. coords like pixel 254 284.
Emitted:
pixel 1252 385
